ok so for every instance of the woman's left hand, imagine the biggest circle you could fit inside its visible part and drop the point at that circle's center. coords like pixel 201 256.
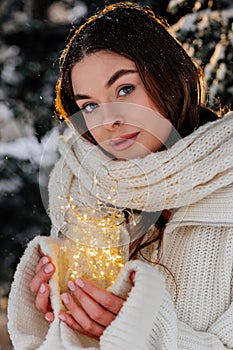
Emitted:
pixel 95 310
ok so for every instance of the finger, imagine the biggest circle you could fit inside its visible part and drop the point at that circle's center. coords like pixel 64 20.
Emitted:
pixel 132 277
pixel 109 301
pixel 42 298
pixel 40 251
pixel 42 276
pixel 80 317
pixel 69 320
pixel 94 310
pixel 49 316
pixel 43 261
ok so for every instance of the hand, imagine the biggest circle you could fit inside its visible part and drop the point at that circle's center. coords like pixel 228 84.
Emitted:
pixel 97 307
pixel 39 286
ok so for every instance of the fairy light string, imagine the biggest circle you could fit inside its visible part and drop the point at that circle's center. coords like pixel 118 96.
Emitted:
pixel 94 243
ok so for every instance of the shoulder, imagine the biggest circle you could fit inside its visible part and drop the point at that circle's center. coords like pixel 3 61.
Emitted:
pixel 213 210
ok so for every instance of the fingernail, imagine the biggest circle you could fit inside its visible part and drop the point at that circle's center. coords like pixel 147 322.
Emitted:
pixel 62 317
pixel 48 268
pixel 47 318
pixel 42 288
pixel 80 283
pixel 71 285
pixel 65 298
pixel 45 260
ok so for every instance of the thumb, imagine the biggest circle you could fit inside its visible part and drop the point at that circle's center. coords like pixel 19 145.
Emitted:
pixel 132 277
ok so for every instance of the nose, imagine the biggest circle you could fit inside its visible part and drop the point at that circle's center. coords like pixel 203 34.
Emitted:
pixel 113 124
pixel 112 118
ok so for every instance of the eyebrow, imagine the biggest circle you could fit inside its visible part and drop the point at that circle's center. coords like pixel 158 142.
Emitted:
pixel 118 74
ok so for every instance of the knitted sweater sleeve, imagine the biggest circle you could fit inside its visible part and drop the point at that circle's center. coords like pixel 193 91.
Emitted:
pixel 147 320
pixel 170 333
pixel 29 330
pixel 167 331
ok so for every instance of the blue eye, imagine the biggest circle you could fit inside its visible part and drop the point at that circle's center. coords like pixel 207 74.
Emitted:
pixel 90 107
pixel 125 90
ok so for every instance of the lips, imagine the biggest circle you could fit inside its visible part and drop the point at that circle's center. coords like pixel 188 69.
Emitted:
pixel 123 142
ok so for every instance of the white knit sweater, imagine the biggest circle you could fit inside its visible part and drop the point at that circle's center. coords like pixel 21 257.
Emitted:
pixel 194 311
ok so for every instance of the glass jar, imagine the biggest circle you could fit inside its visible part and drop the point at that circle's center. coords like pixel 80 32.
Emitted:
pixel 93 245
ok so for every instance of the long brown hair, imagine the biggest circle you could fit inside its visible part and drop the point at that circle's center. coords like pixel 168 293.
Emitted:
pixel 173 81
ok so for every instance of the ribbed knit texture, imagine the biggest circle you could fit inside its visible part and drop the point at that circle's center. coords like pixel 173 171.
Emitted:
pixel 192 169
pixel 193 310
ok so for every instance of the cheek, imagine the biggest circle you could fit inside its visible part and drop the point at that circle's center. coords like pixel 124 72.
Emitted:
pixel 92 129
pixel 143 99
pixel 97 134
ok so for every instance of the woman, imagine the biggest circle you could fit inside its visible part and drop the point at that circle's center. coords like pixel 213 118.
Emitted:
pixel 145 134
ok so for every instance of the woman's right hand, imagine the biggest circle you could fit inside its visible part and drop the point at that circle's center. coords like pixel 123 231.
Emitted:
pixel 40 287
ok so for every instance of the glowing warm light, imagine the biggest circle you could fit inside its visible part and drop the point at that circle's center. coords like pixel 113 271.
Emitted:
pixel 94 245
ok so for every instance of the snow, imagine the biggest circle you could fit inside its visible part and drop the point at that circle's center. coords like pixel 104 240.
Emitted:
pixel 174 3
pixel 204 22
pixel 77 11
pixel 214 88
pixel 227 13
pixel 231 36
pixel 208 71
pixel 9 73
pixel 25 148
pixel 186 23
pixel 219 53
pixel 7 52
pixel 58 13
pixel 14 184
pixel 221 72
pixel 28 148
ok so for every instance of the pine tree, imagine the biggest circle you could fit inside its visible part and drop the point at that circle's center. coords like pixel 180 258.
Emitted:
pixel 33 34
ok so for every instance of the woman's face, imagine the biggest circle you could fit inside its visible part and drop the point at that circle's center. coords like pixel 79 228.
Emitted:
pixel 117 109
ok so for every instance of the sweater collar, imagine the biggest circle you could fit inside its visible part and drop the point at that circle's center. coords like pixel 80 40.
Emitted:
pixel 215 209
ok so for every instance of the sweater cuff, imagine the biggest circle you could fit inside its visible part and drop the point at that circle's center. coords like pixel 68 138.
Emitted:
pixel 132 327
pixel 27 326
pixel 22 314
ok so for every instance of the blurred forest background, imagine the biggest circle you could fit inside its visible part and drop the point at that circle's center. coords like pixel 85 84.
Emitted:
pixel 33 33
